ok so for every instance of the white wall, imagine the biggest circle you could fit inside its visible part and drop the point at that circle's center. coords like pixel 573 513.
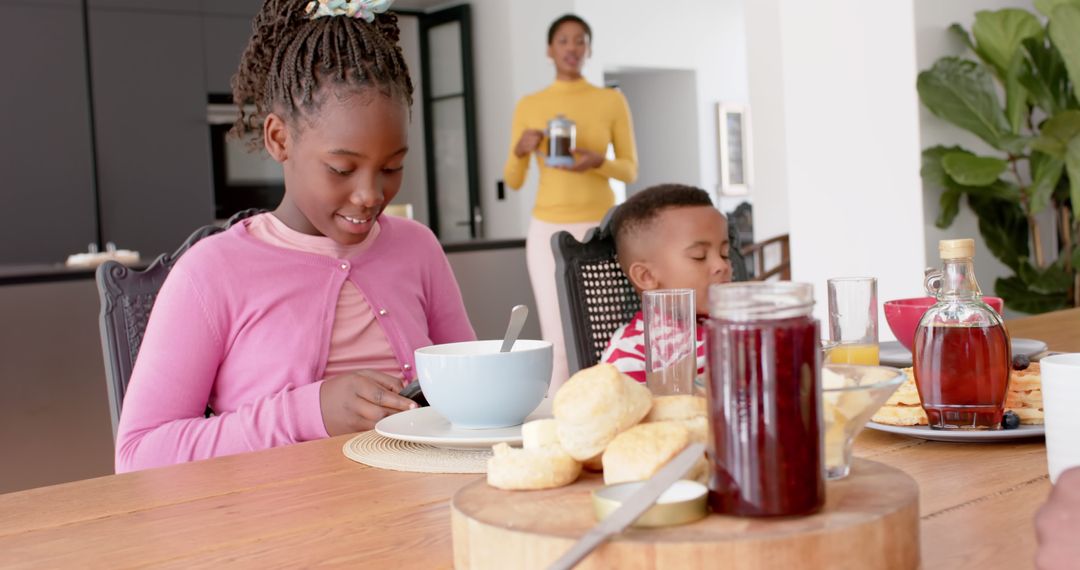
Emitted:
pixel 509 45
pixel 933 41
pixel 847 131
pixel 666 124
pixel 765 79
pixel 706 36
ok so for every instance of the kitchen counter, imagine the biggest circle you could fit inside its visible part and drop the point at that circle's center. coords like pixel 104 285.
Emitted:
pixel 42 273
pixel 52 272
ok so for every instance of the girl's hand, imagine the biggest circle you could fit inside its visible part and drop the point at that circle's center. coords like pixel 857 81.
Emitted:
pixel 529 142
pixel 357 401
pixel 584 159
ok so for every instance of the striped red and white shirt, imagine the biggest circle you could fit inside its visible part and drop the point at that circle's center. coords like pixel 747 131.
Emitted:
pixel 626 350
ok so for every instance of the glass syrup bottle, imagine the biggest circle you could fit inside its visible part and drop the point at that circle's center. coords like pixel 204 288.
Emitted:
pixel 962 350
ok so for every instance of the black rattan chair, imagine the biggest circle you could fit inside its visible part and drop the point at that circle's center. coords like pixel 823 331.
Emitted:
pixel 127 296
pixel 595 297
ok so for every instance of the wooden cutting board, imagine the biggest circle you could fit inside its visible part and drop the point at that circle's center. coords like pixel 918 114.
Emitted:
pixel 870 520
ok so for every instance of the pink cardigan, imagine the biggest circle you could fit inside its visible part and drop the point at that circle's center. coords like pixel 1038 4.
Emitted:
pixel 244 327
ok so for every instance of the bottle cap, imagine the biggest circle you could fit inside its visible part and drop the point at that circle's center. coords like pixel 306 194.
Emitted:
pixel 956 248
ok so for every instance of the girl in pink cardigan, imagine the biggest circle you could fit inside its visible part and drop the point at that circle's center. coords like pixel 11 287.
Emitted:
pixel 301 323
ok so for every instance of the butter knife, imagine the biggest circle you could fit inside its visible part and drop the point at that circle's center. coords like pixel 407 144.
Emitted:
pixel 634 506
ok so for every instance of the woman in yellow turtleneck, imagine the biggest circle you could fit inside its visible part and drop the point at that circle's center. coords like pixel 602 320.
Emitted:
pixel 572 198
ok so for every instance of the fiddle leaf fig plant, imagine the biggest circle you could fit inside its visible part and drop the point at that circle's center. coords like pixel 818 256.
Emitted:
pixel 1032 61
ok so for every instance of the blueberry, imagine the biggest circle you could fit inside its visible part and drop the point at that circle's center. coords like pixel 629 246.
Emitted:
pixel 1010 420
pixel 1020 362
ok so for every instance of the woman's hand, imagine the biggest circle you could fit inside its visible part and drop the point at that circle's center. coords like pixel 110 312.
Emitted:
pixel 357 401
pixel 584 159
pixel 1057 524
pixel 529 142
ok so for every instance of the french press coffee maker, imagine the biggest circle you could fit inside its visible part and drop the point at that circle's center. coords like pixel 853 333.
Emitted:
pixel 561 135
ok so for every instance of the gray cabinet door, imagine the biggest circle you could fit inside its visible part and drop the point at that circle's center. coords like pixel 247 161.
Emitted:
pixel 225 38
pixel 245 8
pixel 173 6
pixel 47 187
pixel 153 141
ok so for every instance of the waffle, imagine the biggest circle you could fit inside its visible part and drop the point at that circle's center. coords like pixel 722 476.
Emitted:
pixel 904 408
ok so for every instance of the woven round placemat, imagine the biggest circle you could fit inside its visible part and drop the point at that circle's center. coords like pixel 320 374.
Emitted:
pixel 374 450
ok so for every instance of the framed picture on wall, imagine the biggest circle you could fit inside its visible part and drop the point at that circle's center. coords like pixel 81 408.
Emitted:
pixel 733 126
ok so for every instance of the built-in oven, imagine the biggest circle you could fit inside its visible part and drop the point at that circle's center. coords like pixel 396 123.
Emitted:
pixel 243 177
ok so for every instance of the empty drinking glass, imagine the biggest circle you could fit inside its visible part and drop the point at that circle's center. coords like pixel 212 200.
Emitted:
pixel 670 340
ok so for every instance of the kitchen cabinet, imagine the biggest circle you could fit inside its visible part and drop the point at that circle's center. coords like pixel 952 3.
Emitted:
pixel 153 145
pixel 173 6
pixel 243 8
pixel 47 163
pixel 224 40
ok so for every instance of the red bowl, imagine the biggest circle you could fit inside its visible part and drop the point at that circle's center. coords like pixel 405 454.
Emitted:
pixel 903 315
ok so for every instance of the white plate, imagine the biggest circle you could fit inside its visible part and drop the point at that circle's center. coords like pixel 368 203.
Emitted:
pixel 894 354
pixel 963 436
pixel 425 425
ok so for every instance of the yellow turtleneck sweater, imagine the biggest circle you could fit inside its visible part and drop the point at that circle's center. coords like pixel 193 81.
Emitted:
pixel 602 117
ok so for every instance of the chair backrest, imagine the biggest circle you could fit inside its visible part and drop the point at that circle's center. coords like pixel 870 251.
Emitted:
pixel 127 296
pixel 595 297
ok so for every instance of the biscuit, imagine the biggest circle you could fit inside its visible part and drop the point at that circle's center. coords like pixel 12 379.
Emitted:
pixel 539 433
pixel 637 403
pixel 665 408
pixel 589 409
pixel 637 453
pixel 516 469
pixel 698 428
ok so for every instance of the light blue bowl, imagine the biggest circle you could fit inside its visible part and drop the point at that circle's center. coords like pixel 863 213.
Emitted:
pixel 474 386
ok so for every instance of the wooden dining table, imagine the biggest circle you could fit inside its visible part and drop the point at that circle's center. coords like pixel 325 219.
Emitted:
pixel 307 505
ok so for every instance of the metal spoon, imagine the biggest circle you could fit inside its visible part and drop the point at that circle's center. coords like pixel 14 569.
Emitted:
pixel 517 320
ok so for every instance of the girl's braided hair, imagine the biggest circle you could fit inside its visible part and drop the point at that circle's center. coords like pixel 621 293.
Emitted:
pixel 290 56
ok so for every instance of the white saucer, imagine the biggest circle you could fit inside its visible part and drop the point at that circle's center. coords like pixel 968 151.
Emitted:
pixel 962 436
pixel 425 425
pixel 893 353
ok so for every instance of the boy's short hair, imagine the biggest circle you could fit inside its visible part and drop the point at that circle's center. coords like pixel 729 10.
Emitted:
pixel 639 211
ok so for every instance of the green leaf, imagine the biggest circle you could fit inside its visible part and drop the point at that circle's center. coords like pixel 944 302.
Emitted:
pixel 1057 132
pixel 1019 297
pixel 1043 75
pixel 1047 171
pixel 933 173
pixel 1047 6
pixel 1072 166
pixel 1076 257
pixel 1003 227
pixel 1052 279
pixel 970 170
pixel 1016 97
pixel 961 34
pixel 1065 33
pixel 998 35
pixel 950 207
pixel 961 92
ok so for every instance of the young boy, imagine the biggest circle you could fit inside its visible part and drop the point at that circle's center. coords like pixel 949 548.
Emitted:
pixel 667 237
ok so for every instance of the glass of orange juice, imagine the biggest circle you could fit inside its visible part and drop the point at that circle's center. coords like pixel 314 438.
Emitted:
pixel 853 321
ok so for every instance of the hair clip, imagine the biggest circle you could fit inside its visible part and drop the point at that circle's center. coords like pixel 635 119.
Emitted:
pixel 365 9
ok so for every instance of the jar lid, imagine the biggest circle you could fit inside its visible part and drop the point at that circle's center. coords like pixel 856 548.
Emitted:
pixel 768 300
pixel 956 248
